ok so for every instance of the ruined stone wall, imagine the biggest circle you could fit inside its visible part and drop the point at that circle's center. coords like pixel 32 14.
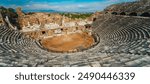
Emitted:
pixel 1 19
pixel 39 18
pixel 19 12
pixel 45 25
pixel 44 20
pixel 41 34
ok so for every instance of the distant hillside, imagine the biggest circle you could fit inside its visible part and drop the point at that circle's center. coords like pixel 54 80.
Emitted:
pixel 47 11
pixel 8 11
pixel 137 6
pixel 11 13
pixel 77 15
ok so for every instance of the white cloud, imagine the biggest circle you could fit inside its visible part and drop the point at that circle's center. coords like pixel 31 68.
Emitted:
pixel 78 7
pixel 70 6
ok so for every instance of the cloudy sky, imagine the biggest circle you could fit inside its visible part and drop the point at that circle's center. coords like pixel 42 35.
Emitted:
pixel 61 5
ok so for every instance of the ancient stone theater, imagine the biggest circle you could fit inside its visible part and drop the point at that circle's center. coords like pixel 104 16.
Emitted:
pixel 119 36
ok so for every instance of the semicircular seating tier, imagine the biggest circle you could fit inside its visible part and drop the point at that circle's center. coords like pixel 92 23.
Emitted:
pixel 124 41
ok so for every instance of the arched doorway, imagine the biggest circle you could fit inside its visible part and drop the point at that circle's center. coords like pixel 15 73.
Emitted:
pixel 145 14
pixel 114 13
pixel 133 14
pixel 94 19
pixel 122 13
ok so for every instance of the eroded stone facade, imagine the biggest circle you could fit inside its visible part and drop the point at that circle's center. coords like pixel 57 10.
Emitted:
pixel 44 25
pixel 1 19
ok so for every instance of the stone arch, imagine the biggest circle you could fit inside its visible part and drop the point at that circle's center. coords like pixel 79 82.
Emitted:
pixel 122 13
pixel 114 13
pixel 94 19
pixel 87 26
pixel 133 14
pixel 43 32
pixel 106 12
pixel 145 14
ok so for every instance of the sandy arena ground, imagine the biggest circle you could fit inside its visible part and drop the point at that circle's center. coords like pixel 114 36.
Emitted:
pixel 69 42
